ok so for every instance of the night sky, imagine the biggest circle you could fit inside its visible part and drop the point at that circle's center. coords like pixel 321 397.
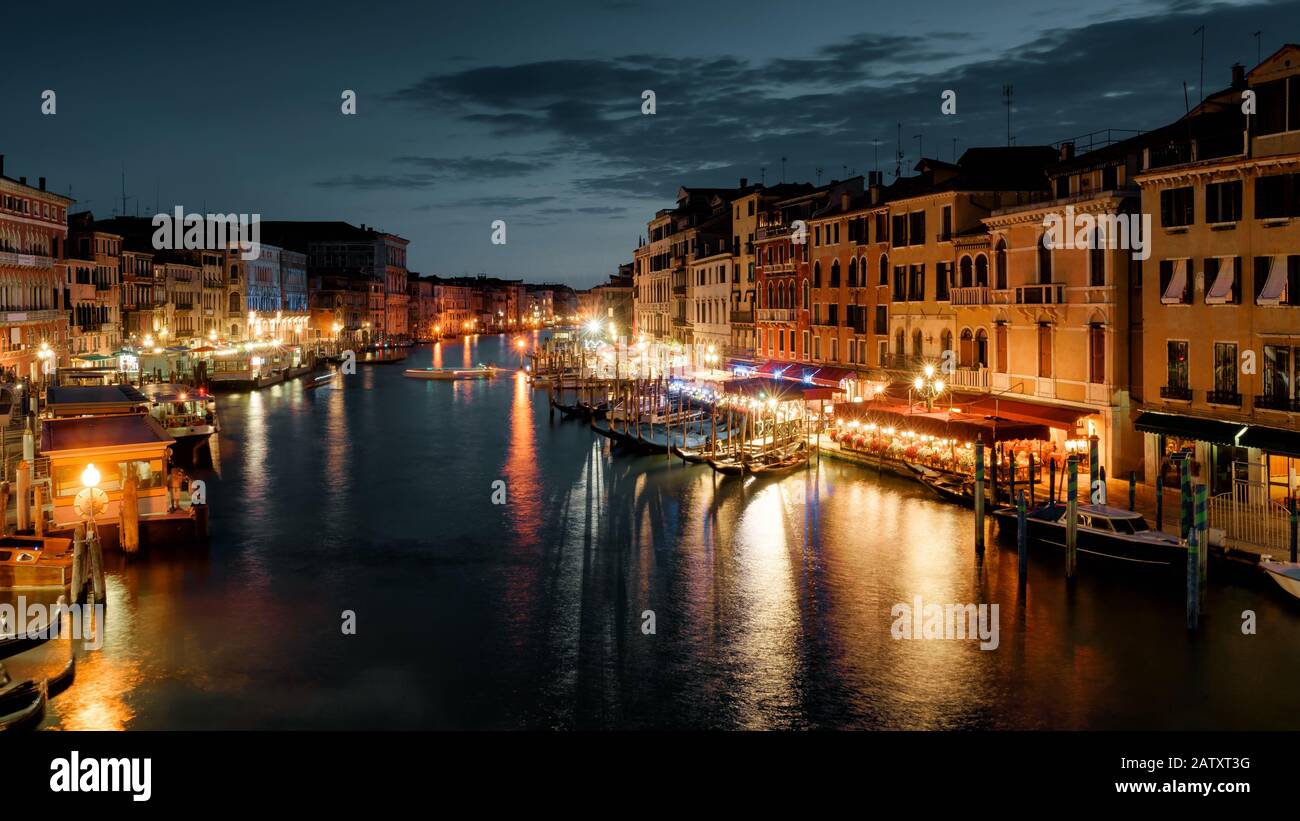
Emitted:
pixel 531 112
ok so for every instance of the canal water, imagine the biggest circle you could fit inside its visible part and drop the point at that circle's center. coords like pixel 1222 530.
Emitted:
pixel 772 599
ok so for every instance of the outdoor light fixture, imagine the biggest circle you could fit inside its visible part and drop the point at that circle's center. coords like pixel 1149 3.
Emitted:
pixel 90 476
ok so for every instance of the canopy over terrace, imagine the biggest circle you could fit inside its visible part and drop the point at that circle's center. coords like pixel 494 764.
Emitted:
pixel 812 375
pixel 764 388
pixel 968 416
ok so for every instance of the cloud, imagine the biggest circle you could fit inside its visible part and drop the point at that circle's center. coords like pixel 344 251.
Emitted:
pixel 475 167
pixel 378 182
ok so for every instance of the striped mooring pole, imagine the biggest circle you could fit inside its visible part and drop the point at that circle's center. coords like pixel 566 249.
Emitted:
pixel 1193 582
pixel 1185 494
pixel 1202 538
pixel 979 495
pixel 1071 516
pixel 1022 538
pixel 1094 469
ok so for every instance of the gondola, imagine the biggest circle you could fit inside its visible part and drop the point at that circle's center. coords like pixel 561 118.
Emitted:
pixel 22 705
pixel 728 466
pixel 1103 532
pixel 573 411
pixel 944 486
pixel 781 463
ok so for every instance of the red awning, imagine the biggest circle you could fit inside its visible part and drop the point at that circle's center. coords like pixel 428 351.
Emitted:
pixel 831 377
pixel 1013 410
pixel 770 367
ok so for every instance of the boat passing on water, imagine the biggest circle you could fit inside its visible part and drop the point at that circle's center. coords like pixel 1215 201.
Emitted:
pixel 188 415
pixel 1286 574
pixel 1102 531
pixel 480 372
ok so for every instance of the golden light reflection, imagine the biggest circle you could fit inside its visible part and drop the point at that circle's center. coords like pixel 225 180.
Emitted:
pixel 521 471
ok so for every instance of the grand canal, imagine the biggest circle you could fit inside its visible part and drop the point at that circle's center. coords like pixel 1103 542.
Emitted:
pixel 772 599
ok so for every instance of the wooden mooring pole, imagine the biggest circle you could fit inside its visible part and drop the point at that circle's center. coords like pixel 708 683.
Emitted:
pixel 979 495
pixel 1071 516
pixel 1022 539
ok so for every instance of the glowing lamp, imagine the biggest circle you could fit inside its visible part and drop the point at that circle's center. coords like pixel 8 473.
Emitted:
pixel 90 476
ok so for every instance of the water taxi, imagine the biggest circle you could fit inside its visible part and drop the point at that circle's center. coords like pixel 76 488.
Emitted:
pixel 1103 531
pixel 188 415
pixel 480 372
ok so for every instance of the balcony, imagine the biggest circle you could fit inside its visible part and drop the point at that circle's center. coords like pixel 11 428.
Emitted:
pixel 1180 392
pixel 17 317
pixel 25 260
pixel 1223 397
pixel 1277 403
pixel 772 231
pixel 742 317
pixel 978 295
pixel 775 314
pixel 1049 294
pixel 779 268
pixel 904 362
pixel 679 290
pixel 969 378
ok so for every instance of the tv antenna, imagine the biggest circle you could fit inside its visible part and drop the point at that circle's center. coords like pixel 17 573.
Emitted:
pixel 1008 93
pixel 1200 88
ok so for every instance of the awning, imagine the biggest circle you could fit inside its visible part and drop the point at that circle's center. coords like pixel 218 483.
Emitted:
pixel 1011 410
pixel 91 357
pixel 1173 293
pixel 1272 440
pixel 1275 285
pixel 1190 427
pixel 831 377
pixel 1221 289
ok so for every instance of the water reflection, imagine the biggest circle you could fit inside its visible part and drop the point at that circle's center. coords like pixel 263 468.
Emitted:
pixel 771 599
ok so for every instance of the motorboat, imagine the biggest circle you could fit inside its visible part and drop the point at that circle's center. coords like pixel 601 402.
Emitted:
pixel 480 372
pixel 1102 531
pixel 1286 574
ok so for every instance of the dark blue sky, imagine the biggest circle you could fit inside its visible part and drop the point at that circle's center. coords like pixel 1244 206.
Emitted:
pixel 530 112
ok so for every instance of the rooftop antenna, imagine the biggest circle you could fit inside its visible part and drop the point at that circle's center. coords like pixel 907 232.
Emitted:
pixel 762 173
pixel 898 153
pixel 819 175
pixel 920 146
pixel 875 144
pixel 1258 58
pixel 1201 87
pixel 955 140
pixel 1008 92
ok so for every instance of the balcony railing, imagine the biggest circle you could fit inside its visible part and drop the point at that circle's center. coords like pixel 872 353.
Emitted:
pixel 1176 392
pixel 978 295
pixel 969 378
pixel 1223 397
pixel 779 268
pixel 25 260
pixel 742 317
pixel 773 231
pixel 903 362
pixel 1049 294
pixel 1277 403
pixel 679 290
pixel 776 314
pixel 43 315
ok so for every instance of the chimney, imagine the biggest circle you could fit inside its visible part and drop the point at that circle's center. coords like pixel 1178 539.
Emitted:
pixel 1067 150
pixel 844 200
pixel 1238 75
pixel 42 180
pixel 744 182
pixel 22 180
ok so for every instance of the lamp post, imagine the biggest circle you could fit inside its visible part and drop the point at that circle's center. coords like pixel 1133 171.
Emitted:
pixel 929 385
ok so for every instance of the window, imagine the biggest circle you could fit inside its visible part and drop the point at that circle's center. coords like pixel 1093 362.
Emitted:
pixel 900 231
pixel 1277 196
pixel 882 320
pixel 900 284
pixel 916 228
pixel 942 278
pixel 884 269
pixel 1223 201
pixel 899 350
pixel 853 272
pixel 966 354
pixel 1277 374
pixel 918 344
pixel 817 347
pixel 945 222
pixel 1176 207
pixel 1045 350
pixel 817 274
pixel 1000 339
pixel 916 284
pixel 1044 261
pixel 982 348
pixel 804 352
pixel 835 274
pixel 982 271
pixel 1096 353
pixel 1225 374
pixel 1000 263
pixel 1270 102
pixel 1174 282
pixel 1222 284
pixel 1176 366
pixel 1097 261
pixel 882 227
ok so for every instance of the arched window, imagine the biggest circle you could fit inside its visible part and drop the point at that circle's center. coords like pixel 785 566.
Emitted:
pixel 1000 264
pixel 966 355
pixel 899 349
pixel 835 274
pixel 817 273
pixel 982 348
pixel 918 345
pixel 965 272
pixel 945 342
pixel 853 272
pixel 769 296
pixel 884 270
pixel 806 299
pixel 793 303
pixel 234 304
pixel 1044 261
pixel 982 271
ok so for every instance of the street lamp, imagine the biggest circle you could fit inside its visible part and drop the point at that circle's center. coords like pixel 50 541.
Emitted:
pixel 928 385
